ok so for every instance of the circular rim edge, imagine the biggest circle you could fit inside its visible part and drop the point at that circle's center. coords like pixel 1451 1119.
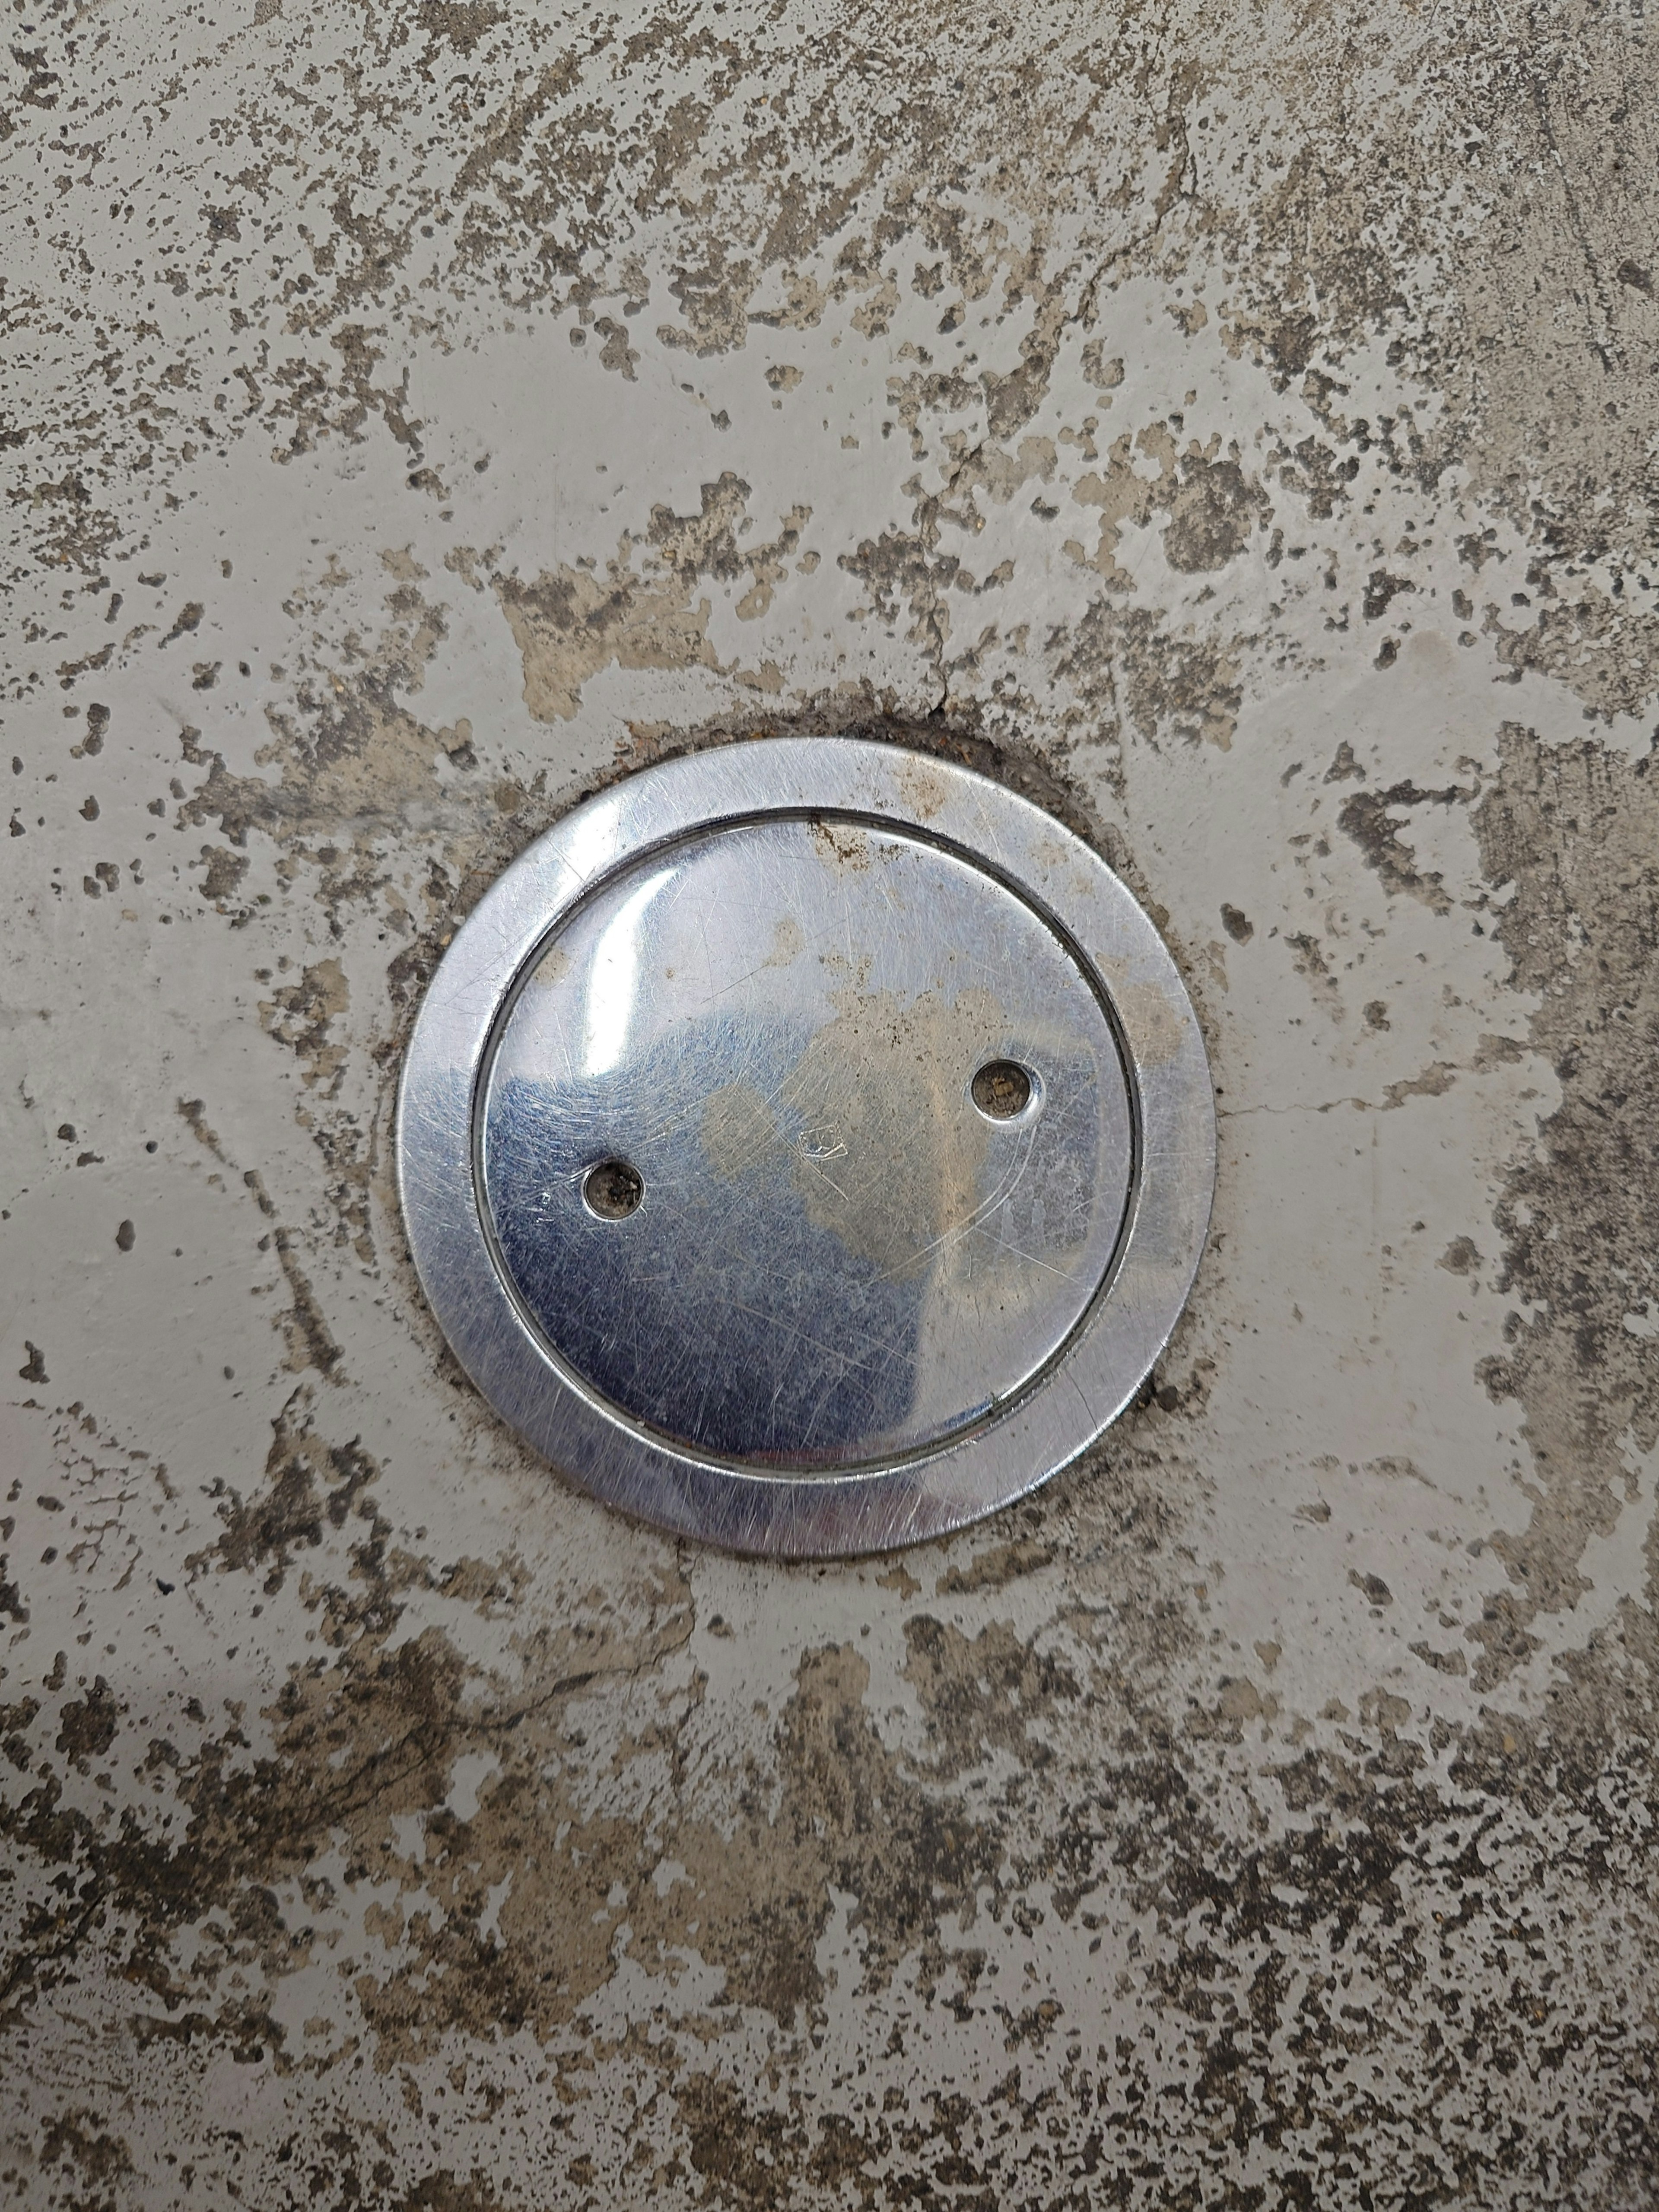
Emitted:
pixel 1107 1356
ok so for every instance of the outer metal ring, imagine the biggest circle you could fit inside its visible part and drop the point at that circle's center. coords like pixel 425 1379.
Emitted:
pixel 1108 1357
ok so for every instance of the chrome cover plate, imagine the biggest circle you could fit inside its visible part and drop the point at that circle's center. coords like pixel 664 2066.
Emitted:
pixel 835 1256
pixel 807 1146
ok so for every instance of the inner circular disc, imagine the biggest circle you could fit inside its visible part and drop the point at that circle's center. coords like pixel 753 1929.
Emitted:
pixel 836 1257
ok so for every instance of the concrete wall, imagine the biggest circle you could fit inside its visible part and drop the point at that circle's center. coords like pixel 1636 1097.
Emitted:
pixel 1234 426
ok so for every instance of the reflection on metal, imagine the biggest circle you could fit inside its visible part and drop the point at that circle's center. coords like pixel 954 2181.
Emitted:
pixel 807 1146
pixel 837 1257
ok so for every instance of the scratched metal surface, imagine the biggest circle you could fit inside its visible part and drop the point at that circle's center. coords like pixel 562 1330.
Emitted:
pixel 1233 427
pixel 837 1258
pixel 1043 947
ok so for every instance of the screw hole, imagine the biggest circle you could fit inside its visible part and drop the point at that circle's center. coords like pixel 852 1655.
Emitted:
pixel 613 1189
pixel 1001 1089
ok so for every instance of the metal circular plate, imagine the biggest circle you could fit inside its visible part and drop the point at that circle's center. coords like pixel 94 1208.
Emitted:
pixel 830 1255
pixel 807 1146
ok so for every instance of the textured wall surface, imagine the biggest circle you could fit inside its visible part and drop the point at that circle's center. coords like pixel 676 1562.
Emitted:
pixel 1234 426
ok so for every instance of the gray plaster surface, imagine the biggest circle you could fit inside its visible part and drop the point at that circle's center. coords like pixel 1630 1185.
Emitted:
pixel 1234 427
